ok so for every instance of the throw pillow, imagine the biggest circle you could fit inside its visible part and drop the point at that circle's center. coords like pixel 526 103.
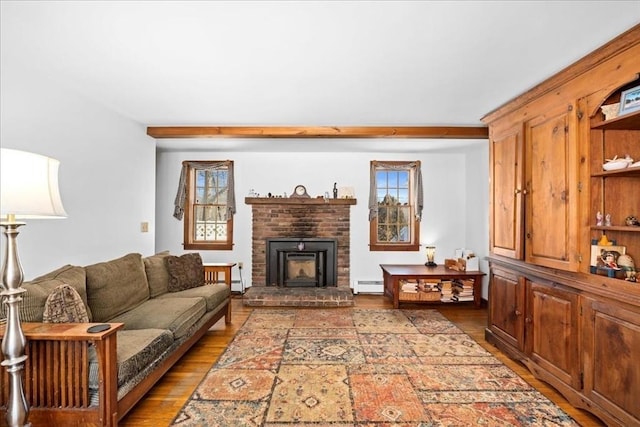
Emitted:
pixel 64 305
pixel 116 286
pixel 185 272
pixel 157 274
pixel 39 289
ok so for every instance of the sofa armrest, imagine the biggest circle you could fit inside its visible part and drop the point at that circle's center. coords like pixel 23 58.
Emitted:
pixel 56 373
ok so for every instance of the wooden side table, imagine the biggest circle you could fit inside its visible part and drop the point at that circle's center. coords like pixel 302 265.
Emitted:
pixel 393 273
pixel 212 269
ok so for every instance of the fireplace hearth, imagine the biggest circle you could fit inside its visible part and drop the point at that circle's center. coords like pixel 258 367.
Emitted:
pixel 301 262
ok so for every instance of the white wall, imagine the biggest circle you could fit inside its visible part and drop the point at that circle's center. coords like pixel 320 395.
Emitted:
pixel 455 215
pixel 107 174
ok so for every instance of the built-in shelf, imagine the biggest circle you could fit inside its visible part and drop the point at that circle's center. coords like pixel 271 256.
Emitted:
pixel 620 172
pixel 616 228
pixel 297 201
pixel 630 121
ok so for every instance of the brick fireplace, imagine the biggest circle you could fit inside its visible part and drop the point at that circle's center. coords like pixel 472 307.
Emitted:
pixel 301 219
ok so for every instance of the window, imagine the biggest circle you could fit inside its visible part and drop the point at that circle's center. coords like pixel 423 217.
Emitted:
pixel 209 205
pixel 395 206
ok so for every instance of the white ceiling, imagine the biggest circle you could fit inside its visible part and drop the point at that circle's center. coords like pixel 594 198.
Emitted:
pixel 304 63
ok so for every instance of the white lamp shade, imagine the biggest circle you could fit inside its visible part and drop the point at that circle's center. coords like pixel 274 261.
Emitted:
pixel 29 186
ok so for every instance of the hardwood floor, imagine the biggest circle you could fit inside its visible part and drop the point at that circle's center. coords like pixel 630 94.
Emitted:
pixel 164 401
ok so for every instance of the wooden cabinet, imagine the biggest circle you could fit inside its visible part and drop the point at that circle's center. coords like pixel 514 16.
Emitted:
pixel 551 184
pixel 506 191
pixel 576 330
pixel 551 341
pixel 611 346
pixel 534 188
pixel 506 311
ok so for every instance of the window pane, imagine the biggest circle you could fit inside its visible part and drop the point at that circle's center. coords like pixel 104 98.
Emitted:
pixel 403 196
pixel 395 223
pixel 403 179
pixel 209 211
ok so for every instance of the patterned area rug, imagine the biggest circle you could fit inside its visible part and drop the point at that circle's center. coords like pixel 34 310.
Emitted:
pixel 359 367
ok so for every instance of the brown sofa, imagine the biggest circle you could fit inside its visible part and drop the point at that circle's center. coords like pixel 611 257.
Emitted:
pixel 156 312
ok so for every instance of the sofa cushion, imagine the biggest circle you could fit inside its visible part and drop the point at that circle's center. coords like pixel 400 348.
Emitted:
pixel 185 272
pixel 39 289
pixel 116 286
pixel 157 275
pixel 64 305
pixel 135 351
pixel 178 315
pixel 214 294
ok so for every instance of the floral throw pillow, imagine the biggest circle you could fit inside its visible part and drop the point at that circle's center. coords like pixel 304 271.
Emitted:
pixel 185 272
pixel 64 305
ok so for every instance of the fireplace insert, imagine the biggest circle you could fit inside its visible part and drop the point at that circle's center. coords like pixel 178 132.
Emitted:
pixel 296 262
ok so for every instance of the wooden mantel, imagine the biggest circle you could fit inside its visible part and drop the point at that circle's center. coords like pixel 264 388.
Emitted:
pixel 297 201
pixel 428 132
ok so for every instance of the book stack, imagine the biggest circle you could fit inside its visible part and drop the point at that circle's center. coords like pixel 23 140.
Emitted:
pixel 446 289
pixel 428 285
pixel 462 290
pixel 409 286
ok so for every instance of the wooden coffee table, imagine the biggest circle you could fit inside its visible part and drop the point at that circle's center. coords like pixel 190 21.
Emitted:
pixel 393 273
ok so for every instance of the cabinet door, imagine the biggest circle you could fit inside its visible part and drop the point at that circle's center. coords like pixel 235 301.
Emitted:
pixel 611 352
pixel 506 307
pixel 551 330
pixel 506 192
pixel 551 182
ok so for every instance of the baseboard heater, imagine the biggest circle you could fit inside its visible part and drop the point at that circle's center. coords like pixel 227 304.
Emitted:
pixel 238 286
pixel 367 286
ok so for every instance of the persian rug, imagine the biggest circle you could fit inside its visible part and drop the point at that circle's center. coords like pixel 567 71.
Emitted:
pixel 361 367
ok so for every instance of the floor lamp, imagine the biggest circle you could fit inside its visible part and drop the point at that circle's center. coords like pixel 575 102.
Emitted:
pixel 28 190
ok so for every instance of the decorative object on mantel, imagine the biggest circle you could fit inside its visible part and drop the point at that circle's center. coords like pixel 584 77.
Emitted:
pixel 610 111
pixel 335 190
pixel 630 101
pixel 346 193
pixel 632 221
pixel 300 191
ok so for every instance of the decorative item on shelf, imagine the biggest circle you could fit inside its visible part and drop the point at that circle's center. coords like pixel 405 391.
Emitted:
pixel 607 220
pixel 632 221
pixel 604 241
pixel 335 190
pixel 609 259
pixel 610 111
pixel 599 218
pixel 616 163
pixel 626 264
pixel 28 190
pixel 630 101
pixel 431 253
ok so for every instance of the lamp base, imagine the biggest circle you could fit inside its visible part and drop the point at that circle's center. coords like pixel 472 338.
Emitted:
pixel 430 264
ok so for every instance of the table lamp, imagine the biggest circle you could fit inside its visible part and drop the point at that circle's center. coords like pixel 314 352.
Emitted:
pixel 28 190
pixel 431 253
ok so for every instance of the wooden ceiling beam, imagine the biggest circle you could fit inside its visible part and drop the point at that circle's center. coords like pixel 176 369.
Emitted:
pixel 430 132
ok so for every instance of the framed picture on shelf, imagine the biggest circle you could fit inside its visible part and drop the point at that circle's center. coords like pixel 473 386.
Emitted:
pixel 630 100
pixel 597 251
